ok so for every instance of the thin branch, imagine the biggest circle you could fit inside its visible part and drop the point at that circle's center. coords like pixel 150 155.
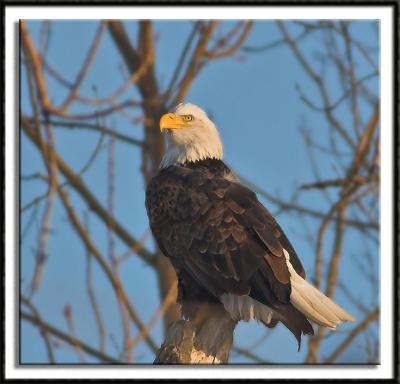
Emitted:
pixel 140 244
pixel 44 38
pixel 131 80
pixel 116 283
pixel 360 180
pixel 370 318
pixel 47 214
pixel 29 224
pixel 93 155
pixel 274 44
pixel 91 293
pixel 360 152
pixel 182 58
pixel 314 163
pixel 53 73
pixel 48 151
pixel 96 128
pixel 319 244
pixel 365 142
pixel 318 81
pixel 126 331
pixel 133 59
pixel 70 322
pixel 193 66
pixel 99 113
pixel 217 54
pixel 85 68
pixel 34 202
pixel 35 60
pixel 362 49
pixel 250 355
pixel 351 74
pixel 337 248
pixel 43 329
pixel 335 104
pixel 77 183
pixel 357 302
pixel 69 339
pixel 287 206
pixel 168 300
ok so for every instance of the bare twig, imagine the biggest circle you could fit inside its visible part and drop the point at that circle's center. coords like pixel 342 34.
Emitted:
pixel 29 224
pixel 34 58
pixel 126 330
pixel 70 321
pixel 84 69
pixel 77 183
pixel 47 215
pixel 193 66
pixel 133 59
pixel 370 318
pixel 43 329
pixel 288 206
pixel 182 58
pixel 219 53
pixel 273 44
pixel 96 128
pixel 44 38
pixel 91 294
pixel 250 355
pixel 70 339
pixel 318 81
pixel 337 182
pixel 168 300
pixel 116 283
pixel 34 202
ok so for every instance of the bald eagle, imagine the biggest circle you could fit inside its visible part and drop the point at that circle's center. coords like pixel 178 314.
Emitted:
pixel 223 243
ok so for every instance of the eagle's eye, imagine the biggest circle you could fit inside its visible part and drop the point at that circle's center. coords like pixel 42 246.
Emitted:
pixel 188 118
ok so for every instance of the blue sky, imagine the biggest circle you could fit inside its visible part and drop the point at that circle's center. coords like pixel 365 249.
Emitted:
pixel 254 102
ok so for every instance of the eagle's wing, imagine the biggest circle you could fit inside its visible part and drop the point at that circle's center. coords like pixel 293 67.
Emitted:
pixel 222 235
pixel 242 242
pixel 217 232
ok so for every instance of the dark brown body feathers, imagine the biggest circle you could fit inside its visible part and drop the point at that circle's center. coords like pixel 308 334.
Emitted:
pixel 221 239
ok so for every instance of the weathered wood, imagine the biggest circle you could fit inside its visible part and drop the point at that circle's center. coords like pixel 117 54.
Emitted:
pixel 203 340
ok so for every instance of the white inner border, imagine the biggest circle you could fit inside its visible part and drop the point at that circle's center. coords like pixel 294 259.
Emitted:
pixel 384 13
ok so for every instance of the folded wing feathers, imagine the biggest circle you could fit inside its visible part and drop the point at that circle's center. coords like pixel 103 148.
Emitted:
pixel 313 303
pixel 304 297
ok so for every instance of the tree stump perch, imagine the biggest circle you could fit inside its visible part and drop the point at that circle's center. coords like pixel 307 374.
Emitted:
pixel 202 340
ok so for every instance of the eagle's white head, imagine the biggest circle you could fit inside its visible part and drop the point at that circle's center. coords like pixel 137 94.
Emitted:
pixel 190 136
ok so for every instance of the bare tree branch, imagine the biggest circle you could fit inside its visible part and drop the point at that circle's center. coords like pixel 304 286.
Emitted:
pixel 84 69
pixel 116 283
pixel 370 318
pixel 318 81
pixel 69 339
pixel 91 293
pixel 43 329
pixel 217 54
pixel 193 66
pixel 84 192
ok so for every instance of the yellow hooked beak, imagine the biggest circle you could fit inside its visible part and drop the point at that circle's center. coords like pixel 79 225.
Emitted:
pixel 171 121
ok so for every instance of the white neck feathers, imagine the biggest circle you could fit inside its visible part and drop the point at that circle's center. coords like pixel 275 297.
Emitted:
pixel 177 154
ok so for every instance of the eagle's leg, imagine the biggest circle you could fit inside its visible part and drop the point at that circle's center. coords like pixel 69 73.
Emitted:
pixel 202 311
pixel 197 304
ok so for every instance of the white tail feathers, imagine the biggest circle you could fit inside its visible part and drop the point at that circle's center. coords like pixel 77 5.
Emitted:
pixel 245 308
pixel 313 303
